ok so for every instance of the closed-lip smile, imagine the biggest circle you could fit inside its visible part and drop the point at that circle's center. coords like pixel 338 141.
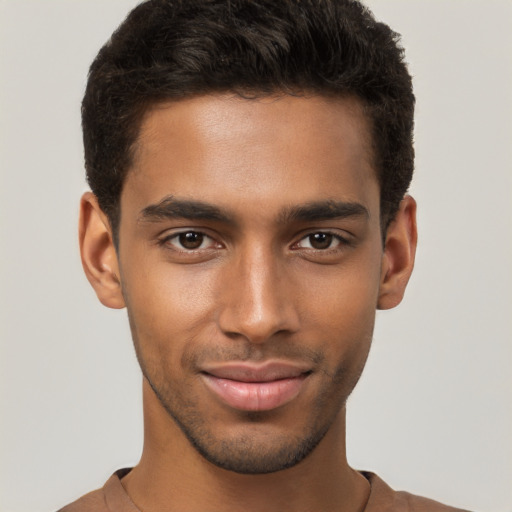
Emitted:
pixel 255 387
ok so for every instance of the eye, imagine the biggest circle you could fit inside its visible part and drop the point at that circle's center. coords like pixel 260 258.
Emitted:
pixel 190 241
pixel 320 241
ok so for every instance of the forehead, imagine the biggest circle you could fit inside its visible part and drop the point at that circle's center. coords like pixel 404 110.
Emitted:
pixel 226 149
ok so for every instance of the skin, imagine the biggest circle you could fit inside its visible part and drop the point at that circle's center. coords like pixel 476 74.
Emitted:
pixel 276 267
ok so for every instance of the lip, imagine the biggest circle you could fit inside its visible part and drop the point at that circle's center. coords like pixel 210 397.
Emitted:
pixel 249 387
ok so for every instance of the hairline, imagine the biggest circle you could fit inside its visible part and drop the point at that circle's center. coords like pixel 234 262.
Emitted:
pixel 147 106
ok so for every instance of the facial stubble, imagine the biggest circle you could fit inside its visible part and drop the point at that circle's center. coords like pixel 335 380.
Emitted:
pixel 255 451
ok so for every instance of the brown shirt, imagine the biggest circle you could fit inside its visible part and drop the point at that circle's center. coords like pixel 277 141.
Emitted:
pixel 113 498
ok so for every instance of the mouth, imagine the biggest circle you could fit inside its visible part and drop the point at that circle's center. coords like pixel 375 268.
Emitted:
pixel 249 387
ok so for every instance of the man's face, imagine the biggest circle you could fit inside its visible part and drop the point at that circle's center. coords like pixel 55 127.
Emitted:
pixel 250 260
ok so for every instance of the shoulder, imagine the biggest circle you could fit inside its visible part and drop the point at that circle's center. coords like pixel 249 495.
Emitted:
pixel 91 502
pixel 111 497
pixel 384 499
pixel 415 503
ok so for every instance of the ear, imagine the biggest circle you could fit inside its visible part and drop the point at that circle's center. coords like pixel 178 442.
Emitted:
pixel 398 256
pixel 99 258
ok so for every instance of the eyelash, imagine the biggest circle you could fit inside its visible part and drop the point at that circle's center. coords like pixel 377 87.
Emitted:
pixel 167 241
pixel 341 241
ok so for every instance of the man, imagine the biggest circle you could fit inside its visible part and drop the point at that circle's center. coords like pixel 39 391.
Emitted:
pixel 249 163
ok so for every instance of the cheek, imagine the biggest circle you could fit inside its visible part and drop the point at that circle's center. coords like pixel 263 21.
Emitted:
pixel 347 322
pixel 342 308
pixel 346 291
pixel 168 308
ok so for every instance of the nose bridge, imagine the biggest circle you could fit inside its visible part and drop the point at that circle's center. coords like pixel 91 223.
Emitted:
pixel 255 304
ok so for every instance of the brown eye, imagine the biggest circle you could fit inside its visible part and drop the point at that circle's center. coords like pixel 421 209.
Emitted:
pixel 320 240
pixel 191 240
pixel 191 245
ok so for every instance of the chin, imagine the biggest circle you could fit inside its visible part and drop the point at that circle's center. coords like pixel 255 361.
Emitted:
pixel 254 454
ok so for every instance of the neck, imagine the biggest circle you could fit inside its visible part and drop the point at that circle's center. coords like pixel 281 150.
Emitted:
pixel 172 475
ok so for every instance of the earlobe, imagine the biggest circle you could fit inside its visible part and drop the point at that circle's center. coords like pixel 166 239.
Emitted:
pixel 99 258
pixel 398 256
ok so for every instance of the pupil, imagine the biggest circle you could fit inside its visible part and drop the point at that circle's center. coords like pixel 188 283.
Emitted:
pixel 320 240
pixel 191 240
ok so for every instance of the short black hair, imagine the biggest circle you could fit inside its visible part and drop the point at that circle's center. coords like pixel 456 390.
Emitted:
pixel 174 49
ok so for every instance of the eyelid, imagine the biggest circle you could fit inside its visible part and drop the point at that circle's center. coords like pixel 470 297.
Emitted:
pixel 343 240
pixel 166 237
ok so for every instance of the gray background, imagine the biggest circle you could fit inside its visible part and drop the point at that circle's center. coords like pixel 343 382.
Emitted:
pixel 432 413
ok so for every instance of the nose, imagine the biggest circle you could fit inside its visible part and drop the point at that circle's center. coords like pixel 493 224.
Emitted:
pixel 257 302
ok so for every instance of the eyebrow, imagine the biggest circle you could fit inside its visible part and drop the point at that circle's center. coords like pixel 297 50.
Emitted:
pixel 323 210
pixel 171 207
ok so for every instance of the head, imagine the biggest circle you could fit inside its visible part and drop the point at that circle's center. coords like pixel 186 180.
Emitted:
pixel 246 159
pixel 171 50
